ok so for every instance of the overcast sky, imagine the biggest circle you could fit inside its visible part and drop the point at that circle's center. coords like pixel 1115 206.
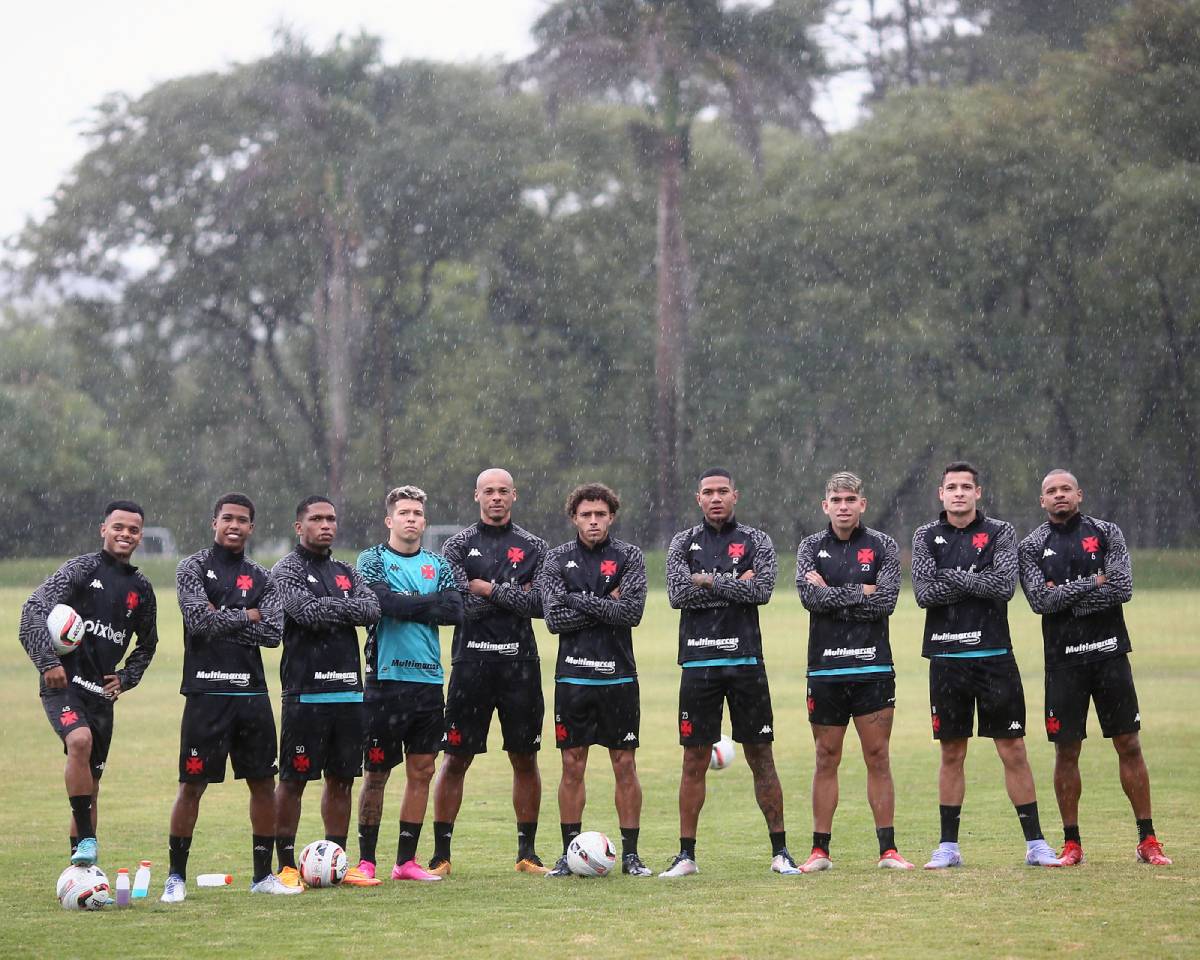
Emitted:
pixel 62 58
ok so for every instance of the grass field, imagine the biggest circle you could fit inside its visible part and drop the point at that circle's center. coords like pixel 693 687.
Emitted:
pixel 995 906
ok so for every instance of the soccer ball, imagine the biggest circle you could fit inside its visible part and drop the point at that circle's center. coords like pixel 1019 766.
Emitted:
pixel 82 888
pixel 66 628
pixel 722 754
pixel 322 864
pixel 591 854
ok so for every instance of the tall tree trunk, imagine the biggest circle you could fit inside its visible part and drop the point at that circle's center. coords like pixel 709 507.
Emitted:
pixel 672 320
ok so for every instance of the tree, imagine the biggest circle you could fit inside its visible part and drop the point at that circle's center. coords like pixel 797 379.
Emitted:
pixel 278 226
pixel 674 59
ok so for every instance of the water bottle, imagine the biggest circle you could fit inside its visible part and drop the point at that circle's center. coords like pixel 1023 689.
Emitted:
pixel 213 880
pixel 141 880
pixel 122 887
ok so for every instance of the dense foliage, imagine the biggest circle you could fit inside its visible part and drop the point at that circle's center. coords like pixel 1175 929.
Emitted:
pixel 320 271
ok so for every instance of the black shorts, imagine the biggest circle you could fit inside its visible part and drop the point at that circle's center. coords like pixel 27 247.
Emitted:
pixel 702 695
pixel 216 727
pixel 68 711
pixel 320 738
pixel 607 714
pixel 513 690
pixel 1108 682
pixel 832 702
pixel 956 684
pixel 402 717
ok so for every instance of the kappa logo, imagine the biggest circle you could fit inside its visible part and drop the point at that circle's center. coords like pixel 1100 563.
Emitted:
pixel 630 738
pixel 571 564
pixel 538 738
pixel 474 553
pixel 940 539
pixel 1048 553
pixel 766 728
pixel 825 555
pixel 97 585
pixel 694 546
pixel 311 578
pixel 1015 725
pixel 211 575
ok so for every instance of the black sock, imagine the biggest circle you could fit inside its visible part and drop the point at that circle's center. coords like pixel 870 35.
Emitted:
pixel 81 809
pixel 263 848
pixel 442 833
pixel 1028 815
pixel 1145 829
pixel 569 832
pixel 821 841
pixel 629 840
pixel 368 837
pixel 340 841
pixel 406 849
pixel 179 847
pixel 887 839
pixel 74 844
pixel 526 840
pixel 687 847
pixel 778 840
pixel 1071 834
pixel 950 817
pixel 286 847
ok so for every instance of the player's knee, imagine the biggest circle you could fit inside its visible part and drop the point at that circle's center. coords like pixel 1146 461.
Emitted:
pixel 79 743
pixel 954 752
pixel 192 792
pixel 376 779
pixel 877 759
pixel 456 765
pixel 1128 746
pixel 1066 754
pixel 1012 753
pixel 524 763
pixel 828 757
pixel 419 768
pixel 695 761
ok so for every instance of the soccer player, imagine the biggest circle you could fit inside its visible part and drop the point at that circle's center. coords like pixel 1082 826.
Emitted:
pixel 718 574
pixel 404 706
pixel 494 665
pixel 964 571
pixel 848 576
pixel 593 592
pixel 323 601
pixel 78 689
pixel 230 610
pixel 1076 573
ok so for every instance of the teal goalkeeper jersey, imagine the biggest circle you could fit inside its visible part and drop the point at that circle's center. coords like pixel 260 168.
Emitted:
pixel 404 649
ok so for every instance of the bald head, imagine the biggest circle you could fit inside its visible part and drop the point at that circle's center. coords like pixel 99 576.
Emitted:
pixel 495 493
pixel 493 475
pixel 1059 472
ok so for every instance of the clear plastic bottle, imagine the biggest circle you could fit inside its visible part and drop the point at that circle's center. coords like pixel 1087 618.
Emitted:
pixel 213 880
pixel 141 880
pixel 122 887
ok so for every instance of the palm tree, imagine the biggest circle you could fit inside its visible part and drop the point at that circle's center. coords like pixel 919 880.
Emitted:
pixel 675 58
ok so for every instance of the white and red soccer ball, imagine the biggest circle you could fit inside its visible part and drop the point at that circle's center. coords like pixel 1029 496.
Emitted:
pixel 82 888
pixel 591 854
pixel 66 628
pixel 322 864
pixel 722 754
